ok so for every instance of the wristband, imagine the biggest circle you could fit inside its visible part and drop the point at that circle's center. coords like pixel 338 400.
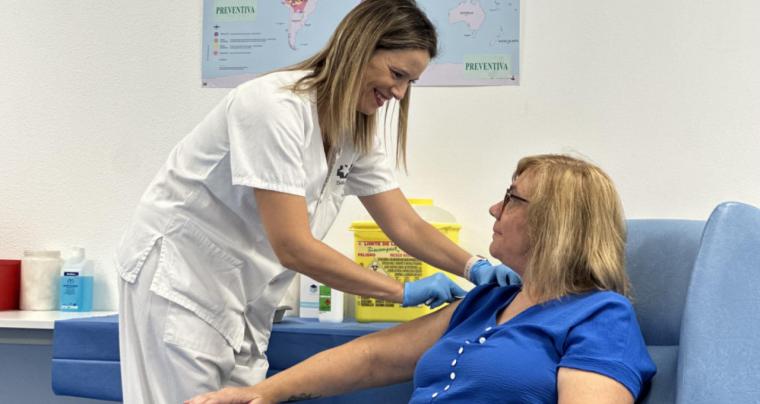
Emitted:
pixel 469 264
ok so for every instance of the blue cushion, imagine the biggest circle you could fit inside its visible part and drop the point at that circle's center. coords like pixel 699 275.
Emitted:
pixel 87 378
pixel 660 255
pixel 662 389
pixel 719 358
pixel 86 358
pixel 87 338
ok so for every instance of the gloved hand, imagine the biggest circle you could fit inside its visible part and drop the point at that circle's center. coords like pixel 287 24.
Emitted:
pixel 482 272
pixel 433 291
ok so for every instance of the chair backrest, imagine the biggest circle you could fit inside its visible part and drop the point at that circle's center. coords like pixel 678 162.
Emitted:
pixel 719 359
pixel 660 256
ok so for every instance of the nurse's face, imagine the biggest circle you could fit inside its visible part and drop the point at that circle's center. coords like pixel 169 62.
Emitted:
pixel 510 243
pixel 388 75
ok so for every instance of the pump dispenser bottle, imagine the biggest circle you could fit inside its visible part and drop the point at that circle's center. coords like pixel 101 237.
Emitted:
pixel 76 282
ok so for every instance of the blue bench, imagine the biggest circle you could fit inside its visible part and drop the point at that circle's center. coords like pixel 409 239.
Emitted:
pixel 86 356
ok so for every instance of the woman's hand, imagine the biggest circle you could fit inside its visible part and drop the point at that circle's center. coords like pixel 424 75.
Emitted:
pixel 230 395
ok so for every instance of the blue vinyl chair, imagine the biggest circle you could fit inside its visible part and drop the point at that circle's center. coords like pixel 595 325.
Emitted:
pixel 660 256
pixel 697 297
pixel 719 359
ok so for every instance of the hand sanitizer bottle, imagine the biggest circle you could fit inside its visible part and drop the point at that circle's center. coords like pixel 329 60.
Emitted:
pixel 330 305
pixel 76 282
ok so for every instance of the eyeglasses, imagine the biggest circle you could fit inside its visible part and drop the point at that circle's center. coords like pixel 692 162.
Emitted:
pixel 508 197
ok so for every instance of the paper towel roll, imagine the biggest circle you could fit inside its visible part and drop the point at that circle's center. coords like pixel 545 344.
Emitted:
pixel 40 271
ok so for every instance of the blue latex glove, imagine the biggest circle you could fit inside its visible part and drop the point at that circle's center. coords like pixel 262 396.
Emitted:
pixel 482 272
pixel 433 291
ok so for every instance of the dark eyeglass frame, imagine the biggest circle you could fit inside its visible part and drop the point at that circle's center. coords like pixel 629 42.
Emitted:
pixel 508 196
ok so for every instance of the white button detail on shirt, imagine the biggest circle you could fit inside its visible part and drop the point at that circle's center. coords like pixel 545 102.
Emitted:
pixel 435 394
pixel 489 329
pixel 461 349
pixel 454 362
pixel 448 386
pixel 467 342
pixel 482 340
pixel 453 375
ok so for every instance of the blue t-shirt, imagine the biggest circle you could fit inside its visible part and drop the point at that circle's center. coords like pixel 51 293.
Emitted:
pixel 479 361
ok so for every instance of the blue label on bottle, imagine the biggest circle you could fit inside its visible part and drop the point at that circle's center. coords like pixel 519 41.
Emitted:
pixel 76 293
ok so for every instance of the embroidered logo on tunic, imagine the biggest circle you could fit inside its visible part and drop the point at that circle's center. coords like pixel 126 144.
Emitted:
pixel 342 173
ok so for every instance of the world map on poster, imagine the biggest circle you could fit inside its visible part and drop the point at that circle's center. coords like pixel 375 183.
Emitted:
pixel 478 40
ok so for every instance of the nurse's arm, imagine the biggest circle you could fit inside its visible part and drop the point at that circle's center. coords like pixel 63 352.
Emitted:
pixel 377 359
pixel 581 387
pixel 286 224
pixel 415 236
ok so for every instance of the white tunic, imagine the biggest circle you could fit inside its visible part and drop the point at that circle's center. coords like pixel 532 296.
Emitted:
pixel 215 259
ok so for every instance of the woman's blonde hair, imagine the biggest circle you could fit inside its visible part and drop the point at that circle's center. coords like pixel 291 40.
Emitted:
pixel 576 228
pixel 337 70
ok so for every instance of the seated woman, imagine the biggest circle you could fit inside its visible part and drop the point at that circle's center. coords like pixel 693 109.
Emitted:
pixel 568 334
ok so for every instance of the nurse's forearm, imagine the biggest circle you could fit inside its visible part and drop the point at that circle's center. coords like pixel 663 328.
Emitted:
pixel 319 261
pixel 426 243
pixel 415 236
pixel 286 223
pixel 423 241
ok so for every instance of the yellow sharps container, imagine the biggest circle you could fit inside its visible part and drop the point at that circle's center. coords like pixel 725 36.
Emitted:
pixel 374 251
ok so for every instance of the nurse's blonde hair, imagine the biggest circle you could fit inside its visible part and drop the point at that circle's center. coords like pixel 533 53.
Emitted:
pixel 337 70
pixel 576 228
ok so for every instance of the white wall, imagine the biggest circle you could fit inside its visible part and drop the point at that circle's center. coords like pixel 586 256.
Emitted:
pixel 663 94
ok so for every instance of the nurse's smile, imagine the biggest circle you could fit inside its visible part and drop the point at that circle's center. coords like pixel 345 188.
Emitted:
pixel 388 75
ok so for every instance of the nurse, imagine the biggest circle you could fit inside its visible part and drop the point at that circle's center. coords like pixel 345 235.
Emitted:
pixel 243 201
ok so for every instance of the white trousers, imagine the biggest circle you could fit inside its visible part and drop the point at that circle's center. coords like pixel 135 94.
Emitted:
pixel 168 354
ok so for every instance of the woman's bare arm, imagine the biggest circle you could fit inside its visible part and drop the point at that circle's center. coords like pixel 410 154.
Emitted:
pixel 377 359
pixel 581 387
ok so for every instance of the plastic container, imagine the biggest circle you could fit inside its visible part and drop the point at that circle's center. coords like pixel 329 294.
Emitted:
pixel 76 282
pixel 308 304
pixel 374 250
pixel 39 280
pixel 320 301
pixel 10 282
